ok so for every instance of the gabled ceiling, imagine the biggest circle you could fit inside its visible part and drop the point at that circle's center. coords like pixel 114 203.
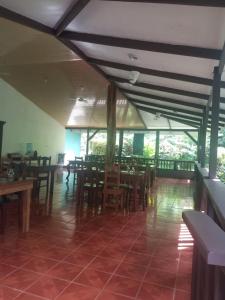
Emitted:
pixel 174 45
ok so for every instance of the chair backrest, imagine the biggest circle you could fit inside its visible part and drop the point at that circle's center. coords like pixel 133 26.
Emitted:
pixel 112 175
pixel 78 158
pixel 31 161
pixel 89 176
pixel 45 161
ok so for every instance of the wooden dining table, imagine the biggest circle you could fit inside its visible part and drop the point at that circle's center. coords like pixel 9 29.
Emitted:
pixel 134 178
pixel 24 188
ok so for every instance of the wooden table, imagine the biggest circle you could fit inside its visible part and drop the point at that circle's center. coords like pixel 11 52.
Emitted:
pixel 24 187
pixel 35 170
pixel 136 179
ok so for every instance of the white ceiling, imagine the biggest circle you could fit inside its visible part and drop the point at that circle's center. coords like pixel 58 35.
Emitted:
pixel 173 24
pixel 47 12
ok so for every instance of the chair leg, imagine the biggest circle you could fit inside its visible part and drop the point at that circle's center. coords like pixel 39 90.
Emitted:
pixel 3 210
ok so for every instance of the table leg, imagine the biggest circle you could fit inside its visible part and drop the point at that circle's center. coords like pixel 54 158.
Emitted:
pixel 26 202
pixel 52 181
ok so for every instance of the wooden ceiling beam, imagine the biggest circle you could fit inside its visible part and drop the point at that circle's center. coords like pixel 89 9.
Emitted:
pixel 173 109
pixel 14 17
pixel 190 123
pixel 173 114
pixel 164 99
pixel 143 45
pixel 222 61
pixel 162 88
pixel 70 15
pixel 153 72
pixel 208 3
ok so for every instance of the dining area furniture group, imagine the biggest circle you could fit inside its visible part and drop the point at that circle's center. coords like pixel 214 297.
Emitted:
pixel 29 183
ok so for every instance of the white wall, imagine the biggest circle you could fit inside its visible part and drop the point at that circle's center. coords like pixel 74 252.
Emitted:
pixel 27 123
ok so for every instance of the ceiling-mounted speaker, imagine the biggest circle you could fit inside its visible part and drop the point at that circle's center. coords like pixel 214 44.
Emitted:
pixel 134 75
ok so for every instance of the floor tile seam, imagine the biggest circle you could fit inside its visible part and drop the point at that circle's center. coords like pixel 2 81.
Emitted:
pixel 113 274
pixel 33 284
pixel 10 287
pixel 83 269
pixel 16 269
pixel 32 294
pixel 70 283
pixel 47 271
pixel 142 282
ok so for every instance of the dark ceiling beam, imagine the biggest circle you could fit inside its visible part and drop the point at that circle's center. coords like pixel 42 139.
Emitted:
pixel 152 72
pixel 164 99
pixel 193 124
pixel 82 55
pixel 209 3
pixel 164 89
pixel 161 88
pixel 173 109
pixel 131 129
pixel 222 61
pixel 149 103
pixel 70 15
pixel 142 45
pixel 177 115
pixel 13 16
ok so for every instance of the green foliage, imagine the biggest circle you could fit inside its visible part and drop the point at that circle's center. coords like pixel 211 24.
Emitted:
pixel 98 148
pixel 177 147
pixel 149 151
pixel 128 148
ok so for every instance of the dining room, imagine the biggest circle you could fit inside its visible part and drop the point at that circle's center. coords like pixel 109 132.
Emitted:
pixel 111 114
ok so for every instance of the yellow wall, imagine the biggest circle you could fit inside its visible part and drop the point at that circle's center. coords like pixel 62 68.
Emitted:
pixel 27 123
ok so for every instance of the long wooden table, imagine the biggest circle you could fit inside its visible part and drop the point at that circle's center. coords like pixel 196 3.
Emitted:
pixel 24 187
pixel 136 179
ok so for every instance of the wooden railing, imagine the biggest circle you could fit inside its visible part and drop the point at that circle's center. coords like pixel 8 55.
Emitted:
pixel 207 225
pixel 175 165
pixel 165 164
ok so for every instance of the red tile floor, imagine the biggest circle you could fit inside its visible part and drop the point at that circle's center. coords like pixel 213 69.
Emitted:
pixel 81 255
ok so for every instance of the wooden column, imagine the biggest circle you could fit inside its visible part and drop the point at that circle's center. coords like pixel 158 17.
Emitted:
pixel 111 124
pixel 199 143
pixel 157 144
pixel 1 138
pixel 214 124
pixel 87 145
pixel 203 135
pixel 121 132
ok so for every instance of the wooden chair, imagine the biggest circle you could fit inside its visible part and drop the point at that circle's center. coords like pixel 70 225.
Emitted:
pixel 44 176
pixel 113 192
pixel 78 158
pixel 89 184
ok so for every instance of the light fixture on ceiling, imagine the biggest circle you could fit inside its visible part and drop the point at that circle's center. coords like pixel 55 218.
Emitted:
pixel 132 57
pixel 81 99
pixel 157 116
pixel 134 75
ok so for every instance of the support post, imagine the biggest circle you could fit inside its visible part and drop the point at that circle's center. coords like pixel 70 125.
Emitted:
pixel 88 137
pixel 203 135
pixel 111 124
pixel 199 143
pixel 157 146
pixel 214 124
pixel 1 138
pixel 121 132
